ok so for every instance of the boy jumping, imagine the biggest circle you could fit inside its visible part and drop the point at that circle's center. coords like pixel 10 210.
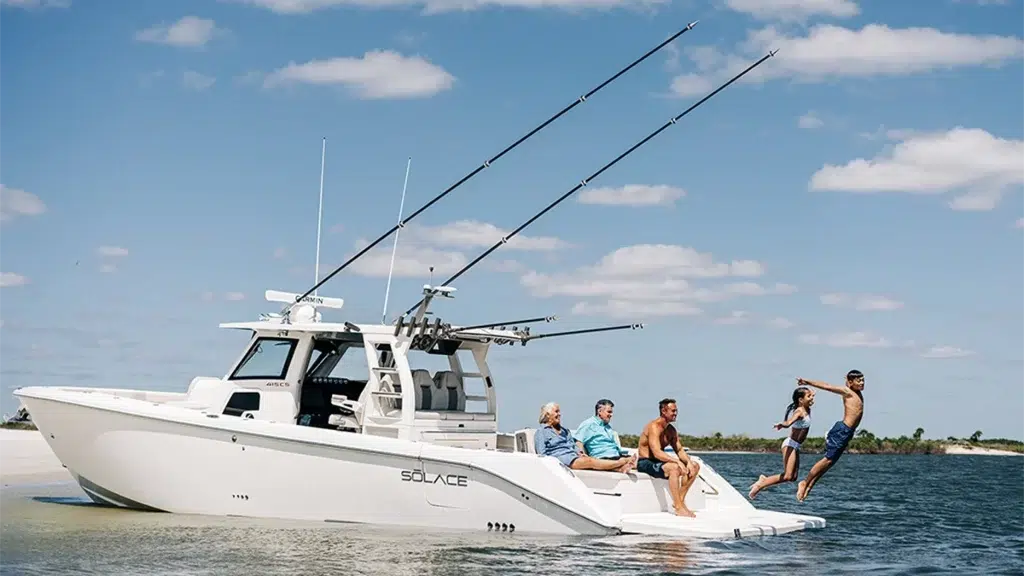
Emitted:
pixel 842 431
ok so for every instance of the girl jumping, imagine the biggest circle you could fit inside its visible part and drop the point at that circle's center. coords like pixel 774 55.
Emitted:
pixel 798 416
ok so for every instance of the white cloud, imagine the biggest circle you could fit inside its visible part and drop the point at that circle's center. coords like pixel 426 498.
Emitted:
pixel 112 251
pixel 421 247
pixel 210 296
pixel 280 253
pixel 794 10
pixel 376 75
pixel 436 6
pixel 781 323
pixel 942 352
pixel 108 268
pixel 16 202
pixel 148 79
pixel 632 309
pixel 411 261
pixel 10 279
pixel 973 162
pixel 734 317
pixel 864 302
pixel 691 85
pixel 847 340
pixel 650 280
pixel 827 52
pixel 190 31
pixel 33 4
pixel 753 288
pixel 475 234
pixel 196 81
pixel 633 195
pixel 1019 223
pixel 809 121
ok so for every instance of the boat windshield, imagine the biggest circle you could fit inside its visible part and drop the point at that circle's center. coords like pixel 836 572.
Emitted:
pixel 338 358
pixel 267 359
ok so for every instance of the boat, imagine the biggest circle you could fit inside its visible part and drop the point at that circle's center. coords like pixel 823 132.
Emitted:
pixel 341 422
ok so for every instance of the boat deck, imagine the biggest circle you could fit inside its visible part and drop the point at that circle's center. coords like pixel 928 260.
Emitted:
pixel 740 524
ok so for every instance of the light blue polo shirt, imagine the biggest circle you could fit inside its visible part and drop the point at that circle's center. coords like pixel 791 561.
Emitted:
pixel 598 439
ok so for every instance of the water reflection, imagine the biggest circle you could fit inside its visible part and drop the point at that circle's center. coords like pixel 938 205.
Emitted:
pixel 938 528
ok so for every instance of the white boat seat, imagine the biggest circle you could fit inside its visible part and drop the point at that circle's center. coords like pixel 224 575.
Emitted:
pixel 524 440
pixel 423 385
pixel 449 390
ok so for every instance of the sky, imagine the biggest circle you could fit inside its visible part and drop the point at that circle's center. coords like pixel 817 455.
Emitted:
pixel 853 203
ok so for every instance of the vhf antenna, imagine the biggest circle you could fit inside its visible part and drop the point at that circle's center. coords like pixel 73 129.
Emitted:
pixel 394 249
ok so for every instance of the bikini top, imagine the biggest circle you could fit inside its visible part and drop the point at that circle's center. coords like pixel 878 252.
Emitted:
pixel 804 422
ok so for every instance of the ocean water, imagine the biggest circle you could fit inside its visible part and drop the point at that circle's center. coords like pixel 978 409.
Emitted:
pixel 886 515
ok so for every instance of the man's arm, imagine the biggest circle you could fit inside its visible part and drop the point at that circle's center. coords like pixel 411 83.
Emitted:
pixel 655 447
pixel 583 433
pixel 681 451
pixel 841 390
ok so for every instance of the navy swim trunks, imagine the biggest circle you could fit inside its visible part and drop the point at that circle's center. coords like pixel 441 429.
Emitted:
pixel 837 440
pixel 652 468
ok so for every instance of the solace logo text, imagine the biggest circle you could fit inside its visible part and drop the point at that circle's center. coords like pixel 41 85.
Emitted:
pixel 424 478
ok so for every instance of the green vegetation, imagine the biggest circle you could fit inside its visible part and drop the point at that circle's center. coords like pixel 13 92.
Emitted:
pixel 18 425
pixel 863 443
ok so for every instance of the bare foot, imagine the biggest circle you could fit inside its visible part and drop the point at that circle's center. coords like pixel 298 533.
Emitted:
pixel 684 511
pixel 756 487
pixel 801 490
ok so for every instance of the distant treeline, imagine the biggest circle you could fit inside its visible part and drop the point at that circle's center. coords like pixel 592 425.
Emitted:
pixel 18 425
pixel 863 443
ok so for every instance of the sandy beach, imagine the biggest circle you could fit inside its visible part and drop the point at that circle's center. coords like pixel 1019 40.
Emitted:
pixel 25 457
pixel 978 451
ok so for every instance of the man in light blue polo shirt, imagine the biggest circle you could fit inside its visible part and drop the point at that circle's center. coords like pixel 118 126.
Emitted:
pixel 551 439
pixel 597 436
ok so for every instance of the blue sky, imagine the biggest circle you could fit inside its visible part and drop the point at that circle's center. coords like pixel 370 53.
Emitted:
pixel 855 203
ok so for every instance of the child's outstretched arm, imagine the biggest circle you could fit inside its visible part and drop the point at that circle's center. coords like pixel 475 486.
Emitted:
pixel 841 390
pixel 797 414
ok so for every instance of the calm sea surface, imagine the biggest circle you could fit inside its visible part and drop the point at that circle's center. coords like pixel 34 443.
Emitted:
pixel 886 515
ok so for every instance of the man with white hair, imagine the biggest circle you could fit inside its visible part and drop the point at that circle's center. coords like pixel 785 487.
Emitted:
pixel 554 440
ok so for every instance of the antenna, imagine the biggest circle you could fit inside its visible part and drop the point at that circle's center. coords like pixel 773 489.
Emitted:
pixel 488 163
pixel 391 268
pixel 585 181
pixel 319 216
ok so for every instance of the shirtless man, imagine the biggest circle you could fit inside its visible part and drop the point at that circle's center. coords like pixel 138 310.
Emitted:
pixel 680 471
pixel 842 431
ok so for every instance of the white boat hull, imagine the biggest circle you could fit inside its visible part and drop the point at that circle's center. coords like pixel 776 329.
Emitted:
pixel 229 466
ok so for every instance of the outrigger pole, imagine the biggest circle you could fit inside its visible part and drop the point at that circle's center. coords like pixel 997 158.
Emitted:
pixel 583 331
pixel 488 163
pixel 587 180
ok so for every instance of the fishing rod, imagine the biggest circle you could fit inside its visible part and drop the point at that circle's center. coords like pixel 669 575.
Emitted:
pixel 496 324
pixel 587 180
pixel 583 331
pixel 487 164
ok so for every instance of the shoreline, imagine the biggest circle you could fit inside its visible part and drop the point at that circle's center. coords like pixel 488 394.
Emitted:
pixel 26 458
